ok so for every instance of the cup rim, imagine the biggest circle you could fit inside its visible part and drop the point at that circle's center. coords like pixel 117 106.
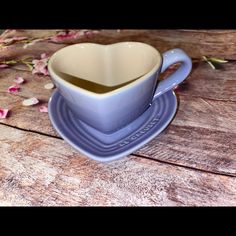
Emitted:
pixel 112 92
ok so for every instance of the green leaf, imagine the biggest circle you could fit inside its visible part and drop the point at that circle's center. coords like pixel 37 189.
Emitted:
pixel 216 60
pixel 10 62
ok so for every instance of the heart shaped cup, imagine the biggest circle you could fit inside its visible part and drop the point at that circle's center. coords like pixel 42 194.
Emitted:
pixel 126 74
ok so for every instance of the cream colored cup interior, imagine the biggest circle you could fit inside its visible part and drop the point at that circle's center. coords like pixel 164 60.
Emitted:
pixel 108 65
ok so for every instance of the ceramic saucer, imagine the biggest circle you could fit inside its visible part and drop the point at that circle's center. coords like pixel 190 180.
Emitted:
pixel 107 147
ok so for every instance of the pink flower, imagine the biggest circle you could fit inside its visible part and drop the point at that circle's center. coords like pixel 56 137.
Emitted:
pixel 72 34
pixel 19 80
pixel 64 35
pixel 13 89
pixel 40 66
pixel 3 66
pixel 43 108
pixel 3 113
pixel 90 33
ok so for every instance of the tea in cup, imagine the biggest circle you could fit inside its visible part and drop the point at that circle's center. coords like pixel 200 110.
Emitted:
pixel 109 86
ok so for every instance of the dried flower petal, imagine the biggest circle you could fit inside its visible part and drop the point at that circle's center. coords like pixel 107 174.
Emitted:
pixel 64 35
pixel 44 55
pixel 13 89
pixel 43 108
pixel 30 101
pixel 19 80
pixel 3 66
pixel 3 113
pixel 72 34
pixel 49 86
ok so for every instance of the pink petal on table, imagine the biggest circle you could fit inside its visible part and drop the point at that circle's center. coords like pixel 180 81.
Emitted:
pixel 18 80
pixel 44 71
pixel 13 89
pixel 3 113
pixel 3 66
pixel 88 34
pixel 30 101
pixel 66 35
pixel 43 109
pixel 80 33
pixel 43 55
pixel 49 86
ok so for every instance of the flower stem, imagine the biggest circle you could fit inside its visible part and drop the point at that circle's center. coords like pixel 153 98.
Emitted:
pixel 17 68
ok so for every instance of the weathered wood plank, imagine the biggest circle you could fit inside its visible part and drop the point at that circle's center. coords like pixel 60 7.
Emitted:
pixel 28 118
pixel 195 107
pixel 196 112
pixel 200 110
pixel 46 171
pixel 220 43
pixel 199 148
pixel 205 113
pixel 217 84
pixel 195 140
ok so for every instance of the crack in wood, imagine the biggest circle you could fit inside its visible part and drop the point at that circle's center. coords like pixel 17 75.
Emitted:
pixel 136 155
pixel 32 131
pixel 133 154
pixel 184 166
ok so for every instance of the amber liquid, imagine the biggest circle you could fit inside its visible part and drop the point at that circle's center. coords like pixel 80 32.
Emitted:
pixel 91 86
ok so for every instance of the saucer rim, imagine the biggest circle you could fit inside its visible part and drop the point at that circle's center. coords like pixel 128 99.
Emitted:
pixel 122 154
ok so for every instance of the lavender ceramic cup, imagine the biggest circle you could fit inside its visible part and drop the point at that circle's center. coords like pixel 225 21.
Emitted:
pixel 128 70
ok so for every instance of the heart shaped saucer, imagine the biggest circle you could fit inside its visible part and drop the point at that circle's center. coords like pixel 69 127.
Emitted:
pixel 108 147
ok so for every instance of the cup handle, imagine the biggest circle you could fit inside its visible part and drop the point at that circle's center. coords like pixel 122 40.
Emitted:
pixel 171 57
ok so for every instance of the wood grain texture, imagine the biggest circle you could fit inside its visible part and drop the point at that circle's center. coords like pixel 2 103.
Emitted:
pixel 205 113
pixel 200 102
pixel 28 118
pixel 206 108
pixel 207 83
pixel 198 148
pixel 46 171
pixel 193 162
pixel 219 43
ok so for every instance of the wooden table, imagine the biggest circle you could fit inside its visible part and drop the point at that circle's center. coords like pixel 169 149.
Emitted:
pixel 192 163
